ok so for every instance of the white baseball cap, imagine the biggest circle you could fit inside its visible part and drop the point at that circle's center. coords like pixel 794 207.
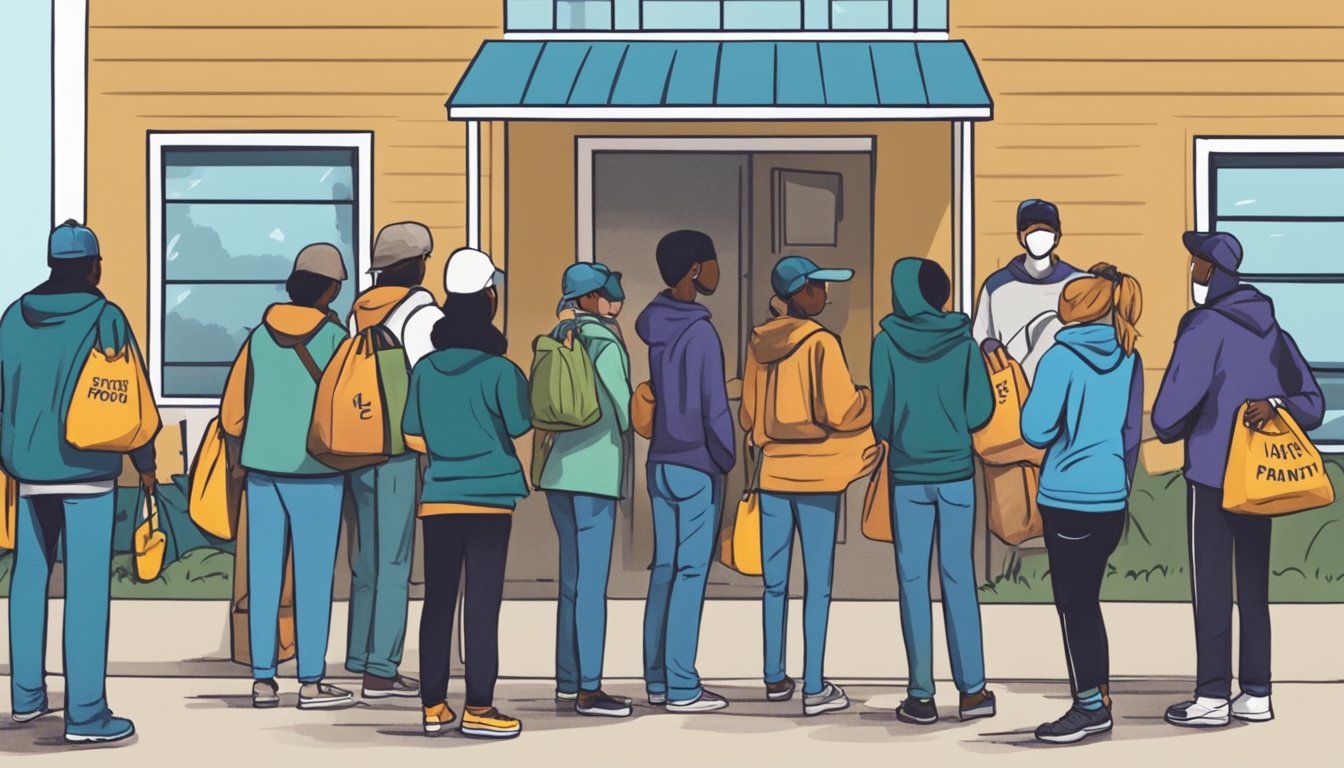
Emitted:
pixel 470 271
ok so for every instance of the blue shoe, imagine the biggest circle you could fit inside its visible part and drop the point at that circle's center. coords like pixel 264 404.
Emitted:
pixel 100 731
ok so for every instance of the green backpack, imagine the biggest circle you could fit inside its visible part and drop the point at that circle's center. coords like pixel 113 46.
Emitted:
pixel 563 384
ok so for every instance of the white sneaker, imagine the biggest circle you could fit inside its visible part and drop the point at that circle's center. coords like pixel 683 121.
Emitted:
pixel 1202 712
pixel 657 699
pixel 831 699
pixel 1255 709
pixel 705 702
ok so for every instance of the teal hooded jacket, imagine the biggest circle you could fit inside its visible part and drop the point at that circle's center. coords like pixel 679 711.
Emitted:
pixel 930 386
pixel 45 337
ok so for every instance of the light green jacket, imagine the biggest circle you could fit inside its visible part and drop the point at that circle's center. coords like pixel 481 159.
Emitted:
pixel 592 460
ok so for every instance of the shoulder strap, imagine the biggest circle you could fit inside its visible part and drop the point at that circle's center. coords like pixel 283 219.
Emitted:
pixel 308 362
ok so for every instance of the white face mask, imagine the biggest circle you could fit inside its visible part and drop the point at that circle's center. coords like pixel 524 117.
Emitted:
pixel 1040 243
pixel 1200 293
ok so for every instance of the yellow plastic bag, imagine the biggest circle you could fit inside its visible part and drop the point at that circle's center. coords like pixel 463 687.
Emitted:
pixel 1000 441
pixel 215 491
pixel 150 543
pixel 740 536
pixel 1275 470
pixel 349 428
pixel 112 408
pixel 9 525
pixel 877 500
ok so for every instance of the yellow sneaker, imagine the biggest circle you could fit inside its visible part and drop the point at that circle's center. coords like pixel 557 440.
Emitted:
pixel 436 718
pixel 490 724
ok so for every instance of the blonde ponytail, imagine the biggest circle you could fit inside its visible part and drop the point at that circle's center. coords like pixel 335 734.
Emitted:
pixel 1126 304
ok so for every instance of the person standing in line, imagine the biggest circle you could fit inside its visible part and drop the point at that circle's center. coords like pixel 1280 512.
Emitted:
pixel 384 495
pixel 811 425
pixel 467 404
pixel 932 391
pixel 1086 411
pixel 64 493
pixel 691 449
pixel 291 496
pixel 583 478
pixel 1230 351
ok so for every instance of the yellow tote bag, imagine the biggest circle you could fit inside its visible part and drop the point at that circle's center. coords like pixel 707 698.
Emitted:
pixel 1000 441
pixel 150 543
pixel 877 500
pixel 642 405
pixel 214 494
pixel 9 525
pixel 1275 470
pixel 740 537
pixel 112 408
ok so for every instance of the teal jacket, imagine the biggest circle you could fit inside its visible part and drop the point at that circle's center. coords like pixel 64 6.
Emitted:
pixel 268 400
pixel 468 407
pixel 592 460
pixel 930 386
pixel 45 337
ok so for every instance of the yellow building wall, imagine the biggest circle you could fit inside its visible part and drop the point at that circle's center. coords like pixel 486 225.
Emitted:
pixel 1096 107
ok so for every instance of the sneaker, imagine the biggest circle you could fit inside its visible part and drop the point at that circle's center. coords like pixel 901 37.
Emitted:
pixel 1076 724
pixel 28 717
pixel 705 702
pixel 399 687
pixel 1253 709
pixel 568 697
pixel 101 731
pixel 1202 712
pixel 917 711
pixel 657 699
pixel 490 724
pixel 831 699
pixel 781 691
pixel 599 704
pixel 436 718
pixel 323 696
pixel 265 694
pixel 977 705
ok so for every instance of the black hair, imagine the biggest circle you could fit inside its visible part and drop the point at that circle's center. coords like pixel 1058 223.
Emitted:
pixel 679 251
pixel 305 288
pixel 404 274
pixel 72 270
pixel 933 284
pixel 467 324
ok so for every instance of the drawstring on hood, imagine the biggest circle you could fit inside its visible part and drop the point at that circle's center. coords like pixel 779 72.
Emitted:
pixel 918 329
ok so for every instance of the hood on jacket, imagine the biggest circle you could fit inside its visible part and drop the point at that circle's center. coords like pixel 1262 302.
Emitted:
pixel 456 360
pixel 665 319
pixel 776 339
pixel 1243 305
pixel 291 324
pixel 1095 343
pixel 50 310
pixel 1059 270
pixel 918 329
pixel 374 305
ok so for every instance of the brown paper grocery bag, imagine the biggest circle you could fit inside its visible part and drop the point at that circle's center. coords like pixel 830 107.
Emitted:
pixel 239 625
pixel 1010 498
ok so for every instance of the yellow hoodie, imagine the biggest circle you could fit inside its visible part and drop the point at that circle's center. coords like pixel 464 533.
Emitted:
pixel 803 410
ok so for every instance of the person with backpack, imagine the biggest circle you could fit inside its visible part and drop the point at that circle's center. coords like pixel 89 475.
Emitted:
pixel 583 477
pixel 932 391
pixel 692 448
pixel 811 427
pixel 64 493
pixel 292 497
pixel 1086 411
pixel 384 495
pixel 466 406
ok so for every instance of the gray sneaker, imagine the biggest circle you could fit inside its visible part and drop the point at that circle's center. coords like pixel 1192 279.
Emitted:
pixel 323 696
pixel 705 702
pixel 831 699
pixel 400 687
pixel 265 694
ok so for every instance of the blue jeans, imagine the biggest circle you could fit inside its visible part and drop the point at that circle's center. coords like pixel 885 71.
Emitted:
pixel 87 523
pixel 917 511
pixel 685 521
pixel 584 524
pixel 815 516
pixel 380 576
pixel 307 511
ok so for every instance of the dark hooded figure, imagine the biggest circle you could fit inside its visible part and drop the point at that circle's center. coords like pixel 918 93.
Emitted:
pixel 1229 351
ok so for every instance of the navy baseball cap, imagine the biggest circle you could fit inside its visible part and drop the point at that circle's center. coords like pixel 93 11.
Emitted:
pixel 1036 211
pixel 1221 248
pixel 71 241
pixel 792 273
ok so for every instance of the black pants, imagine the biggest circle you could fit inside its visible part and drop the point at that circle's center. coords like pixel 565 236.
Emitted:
pixel 1078 545
pixel 482 542
pixel 1217 539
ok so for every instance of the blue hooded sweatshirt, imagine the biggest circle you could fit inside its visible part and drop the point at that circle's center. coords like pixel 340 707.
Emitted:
pixel 692 426
pixel 1086 410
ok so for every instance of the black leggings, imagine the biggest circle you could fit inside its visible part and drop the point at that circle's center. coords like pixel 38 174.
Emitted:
pixel 1078 545
pixel 482 542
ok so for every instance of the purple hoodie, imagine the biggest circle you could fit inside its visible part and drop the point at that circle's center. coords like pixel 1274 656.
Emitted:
pixel 1227 352
pixel 692 426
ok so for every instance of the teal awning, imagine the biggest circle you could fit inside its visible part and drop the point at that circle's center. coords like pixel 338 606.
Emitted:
pixel 729 80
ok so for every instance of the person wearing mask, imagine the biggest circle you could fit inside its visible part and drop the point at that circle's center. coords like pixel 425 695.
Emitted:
pixel 291 496
pixel 691 449
pixel 384 495
pixel 466 406
pixel 1086 411
pixel 64 493
pixel 932 391
pixel 810 424
pixel 1230 351
pixel 583 478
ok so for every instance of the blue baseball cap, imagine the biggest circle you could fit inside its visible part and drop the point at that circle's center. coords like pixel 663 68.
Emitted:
pixel 613 287
pixel 1036 211
pixel 792 273
pixel 585 277
pixel 71 241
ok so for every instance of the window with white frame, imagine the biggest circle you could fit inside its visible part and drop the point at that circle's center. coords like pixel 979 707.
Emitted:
pixel 229 213
pixel 1284 200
